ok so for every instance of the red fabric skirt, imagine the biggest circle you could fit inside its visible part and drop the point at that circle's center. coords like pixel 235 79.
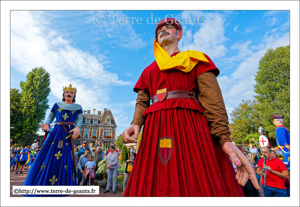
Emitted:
pixel 194 166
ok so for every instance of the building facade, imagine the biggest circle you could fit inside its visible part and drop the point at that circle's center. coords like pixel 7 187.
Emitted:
pixel 100 128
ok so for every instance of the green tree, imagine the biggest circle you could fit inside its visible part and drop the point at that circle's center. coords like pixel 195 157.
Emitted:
pixel 34 103
pixel 273 88
pixel 123 154
pixel 15 114
pixel 246 120
pixel 120 142
pixel 248 138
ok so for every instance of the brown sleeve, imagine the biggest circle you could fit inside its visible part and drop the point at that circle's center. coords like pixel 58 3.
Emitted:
pixel 142 103
pixel 210 97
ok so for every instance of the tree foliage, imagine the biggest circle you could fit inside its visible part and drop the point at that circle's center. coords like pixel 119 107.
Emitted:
pixel 248 138
pixel 15 113
pixel 123 154
pixel 246 120
pixel 273 88
pixel 32 106
pixel 120 142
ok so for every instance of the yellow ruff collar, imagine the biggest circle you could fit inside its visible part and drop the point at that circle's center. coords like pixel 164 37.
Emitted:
pixel 183 61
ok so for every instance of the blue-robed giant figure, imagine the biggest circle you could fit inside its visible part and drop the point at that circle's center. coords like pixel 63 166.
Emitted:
pixel 282 137
pixel 282 134
pixel 55 163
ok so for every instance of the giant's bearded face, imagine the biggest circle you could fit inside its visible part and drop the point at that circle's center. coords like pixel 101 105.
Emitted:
pixel 168 34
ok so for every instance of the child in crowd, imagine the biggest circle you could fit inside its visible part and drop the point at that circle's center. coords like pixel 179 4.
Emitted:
pixel 89 169
pixel 12 161
pixel 24 157
pixel 35 154
pixel 12 150
pixel 28 164
pixel 16 161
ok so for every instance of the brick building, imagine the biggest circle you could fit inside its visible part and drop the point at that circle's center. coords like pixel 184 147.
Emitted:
pixel 100 128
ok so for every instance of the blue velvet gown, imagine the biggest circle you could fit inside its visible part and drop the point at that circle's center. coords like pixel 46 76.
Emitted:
pixel 55 166
pixel 283 138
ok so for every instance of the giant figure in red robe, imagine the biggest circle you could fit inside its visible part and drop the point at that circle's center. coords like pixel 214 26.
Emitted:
pixel 185 147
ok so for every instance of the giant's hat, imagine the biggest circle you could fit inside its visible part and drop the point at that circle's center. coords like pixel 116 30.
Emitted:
pixel 277 116
pixel 166 21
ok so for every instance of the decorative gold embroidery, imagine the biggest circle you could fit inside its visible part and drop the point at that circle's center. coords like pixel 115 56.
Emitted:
pixel 67 144
pixel 58 155
pixel 66 167
pixel 73 112
pixel 71 155
pixel 73 177
pixel 60 144
pixel 52 142
pixel 65 116
pixel 59 109
pixel 42 166
pixel 53 180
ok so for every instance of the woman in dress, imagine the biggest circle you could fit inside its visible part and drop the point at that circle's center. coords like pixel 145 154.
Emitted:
pixel 55 163
pixel 130 157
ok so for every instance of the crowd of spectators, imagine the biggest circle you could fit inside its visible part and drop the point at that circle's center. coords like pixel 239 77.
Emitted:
pixel 273 171
pixel 21 158
pixel 273 176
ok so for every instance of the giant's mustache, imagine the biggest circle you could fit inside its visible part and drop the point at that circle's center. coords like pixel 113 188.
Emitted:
pixel 69 96
pixel 164 33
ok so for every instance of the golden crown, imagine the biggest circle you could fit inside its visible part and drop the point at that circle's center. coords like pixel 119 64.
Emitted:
pixel 70 88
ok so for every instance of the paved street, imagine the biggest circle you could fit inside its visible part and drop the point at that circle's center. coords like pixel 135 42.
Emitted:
pixel 18 179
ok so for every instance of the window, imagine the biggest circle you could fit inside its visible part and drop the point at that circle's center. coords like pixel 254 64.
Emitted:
pixel 107 133
pixel 95 121
pixel 108 121
pixel 94 132
pixel 86 132
pixel 87 121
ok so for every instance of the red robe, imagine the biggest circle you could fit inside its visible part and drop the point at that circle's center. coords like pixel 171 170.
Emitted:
pixel 109 151
pixel 190 163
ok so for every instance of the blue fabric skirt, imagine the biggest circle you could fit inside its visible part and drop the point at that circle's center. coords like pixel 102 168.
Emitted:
pixel 54 166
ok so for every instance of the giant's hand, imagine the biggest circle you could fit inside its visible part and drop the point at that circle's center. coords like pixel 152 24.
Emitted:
pixel 131 130
pixel 287 146
pixel 75 132
pixel 45 127
pixel 244 168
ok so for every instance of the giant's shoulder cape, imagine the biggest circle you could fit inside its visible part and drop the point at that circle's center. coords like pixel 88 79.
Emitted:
pixel 70 107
